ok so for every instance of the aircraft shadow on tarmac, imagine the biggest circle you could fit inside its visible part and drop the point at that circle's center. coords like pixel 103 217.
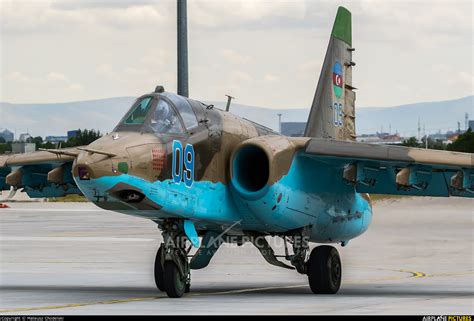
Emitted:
pixel 374 290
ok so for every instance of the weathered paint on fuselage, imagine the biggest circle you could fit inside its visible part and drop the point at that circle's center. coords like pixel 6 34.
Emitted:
pixel 303 195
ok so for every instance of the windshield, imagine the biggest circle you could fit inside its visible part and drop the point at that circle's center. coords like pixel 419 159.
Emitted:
pixel 139 112
pixel 165 120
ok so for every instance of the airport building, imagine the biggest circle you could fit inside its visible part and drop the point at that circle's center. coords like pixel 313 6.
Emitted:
pixel 7 135
pixel 56 139
pixel 24 137
pixel 294 129
pixel 72 133
pixel 22 147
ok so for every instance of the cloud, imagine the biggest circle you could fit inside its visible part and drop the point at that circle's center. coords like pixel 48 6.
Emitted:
pixel 245 14
pixel 309 65
pixel 32 17
pixel 103 4
pixel 271 78
pixel 86 49
pixel 422 23
pixel 75 87
pixel 46 15
pixel 309 69
pixel 153 62
pixel 454 77
pixel 240 76
pixel 104 69
pixel 56 76
pixel 47 83
pixel 132 17
pixel 156 57
pixel 436 21
pixel 235 57
pixel 18 77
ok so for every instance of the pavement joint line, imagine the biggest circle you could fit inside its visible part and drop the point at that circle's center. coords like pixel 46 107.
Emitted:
pixel 114 301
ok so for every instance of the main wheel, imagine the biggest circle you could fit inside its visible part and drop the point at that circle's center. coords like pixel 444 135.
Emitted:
pixel 159 279
pixel 324 270
pixel 175 284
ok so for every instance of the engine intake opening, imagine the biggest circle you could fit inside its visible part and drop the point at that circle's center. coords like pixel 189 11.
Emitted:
pixel 251 168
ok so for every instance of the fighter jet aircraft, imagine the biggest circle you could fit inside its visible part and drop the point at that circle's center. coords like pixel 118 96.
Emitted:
pixel 206 176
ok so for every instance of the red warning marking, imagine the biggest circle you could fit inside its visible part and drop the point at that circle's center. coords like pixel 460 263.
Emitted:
pixel 158 159
pixel 4 205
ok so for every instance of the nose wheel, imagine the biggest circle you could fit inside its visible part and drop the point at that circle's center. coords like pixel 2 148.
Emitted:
pixel 172 271
pixel 324 270
pixel 175 283
pixel 159 270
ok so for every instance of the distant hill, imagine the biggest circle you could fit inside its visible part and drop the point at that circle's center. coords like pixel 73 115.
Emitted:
pixel 441 115
pixel 58 118
pixel 104 114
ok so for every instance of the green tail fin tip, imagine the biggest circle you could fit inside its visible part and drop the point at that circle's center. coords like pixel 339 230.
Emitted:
pixel 342 28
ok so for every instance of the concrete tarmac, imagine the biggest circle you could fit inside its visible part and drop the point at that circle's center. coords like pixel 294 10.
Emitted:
pixel 73 258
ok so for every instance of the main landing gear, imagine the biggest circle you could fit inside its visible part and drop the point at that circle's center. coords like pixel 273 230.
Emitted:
pixel 323 267
pixel 172 271
pixel 324 270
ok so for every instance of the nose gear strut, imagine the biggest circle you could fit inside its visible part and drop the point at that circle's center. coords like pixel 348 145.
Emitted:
pixel 172 271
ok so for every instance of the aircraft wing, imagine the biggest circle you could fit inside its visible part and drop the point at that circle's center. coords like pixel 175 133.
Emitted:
pixel 40 174
pixel 386 169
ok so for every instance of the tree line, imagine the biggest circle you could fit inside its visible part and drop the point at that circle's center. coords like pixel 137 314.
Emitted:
pixel 83 137
pixel 464 143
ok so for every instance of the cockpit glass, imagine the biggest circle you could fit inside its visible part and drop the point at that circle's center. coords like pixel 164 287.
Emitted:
pixel 165 120
pixel 139 112
pixel 184 109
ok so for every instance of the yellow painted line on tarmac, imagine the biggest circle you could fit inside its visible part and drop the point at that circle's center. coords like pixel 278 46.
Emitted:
pixel 451 274
pixel 413 274
pixel 75 305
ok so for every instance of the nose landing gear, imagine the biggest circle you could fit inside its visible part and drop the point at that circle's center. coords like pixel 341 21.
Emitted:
pixel 172 271
pixel 159 269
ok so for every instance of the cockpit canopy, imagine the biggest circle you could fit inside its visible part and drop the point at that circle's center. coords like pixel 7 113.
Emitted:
pixel 165 113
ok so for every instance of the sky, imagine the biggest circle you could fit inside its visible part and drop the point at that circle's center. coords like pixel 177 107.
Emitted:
pixel 264 53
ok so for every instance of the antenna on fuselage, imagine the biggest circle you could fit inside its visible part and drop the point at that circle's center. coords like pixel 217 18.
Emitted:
pixel 183 89
pixel 229 100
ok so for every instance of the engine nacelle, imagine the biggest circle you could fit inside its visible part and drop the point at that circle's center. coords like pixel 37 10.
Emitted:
pixel 259 162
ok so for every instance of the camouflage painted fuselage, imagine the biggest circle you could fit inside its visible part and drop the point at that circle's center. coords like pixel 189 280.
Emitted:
pixel 227 184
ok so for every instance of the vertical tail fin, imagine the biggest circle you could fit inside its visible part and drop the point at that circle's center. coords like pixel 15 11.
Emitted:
pixel 332 113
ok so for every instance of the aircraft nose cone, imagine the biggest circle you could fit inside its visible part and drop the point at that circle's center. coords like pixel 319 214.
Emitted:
pixel 90 165
pixel 83 172
pixel 133 154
